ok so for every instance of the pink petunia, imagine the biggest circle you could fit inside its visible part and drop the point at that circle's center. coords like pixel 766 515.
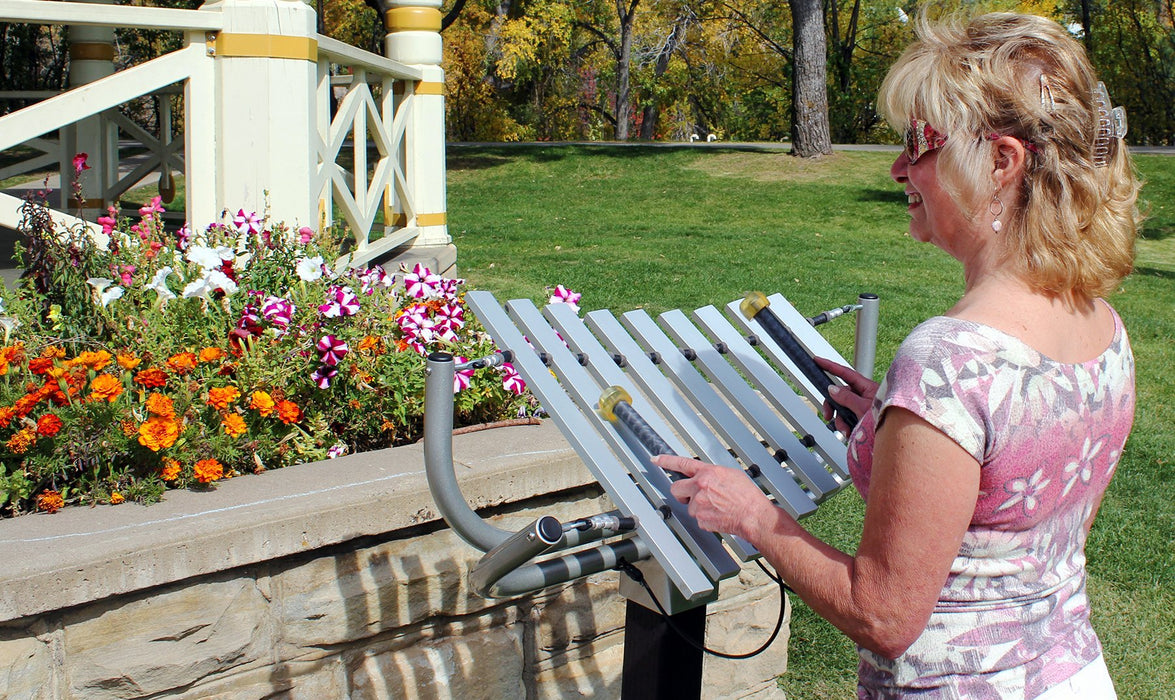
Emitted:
pixel 562 295
pixel 323 375
pixel 462 377
pixel 421 283
pixel 278 311
pixel 511 380
pixel 247 223
pixel 331 350
pixel 341 301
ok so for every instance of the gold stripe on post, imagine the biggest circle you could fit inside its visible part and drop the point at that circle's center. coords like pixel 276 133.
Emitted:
pixel 413 19
pixel 92 203
pixel 423 87
pixel 91 51
pixel 400 219
pixel 266 46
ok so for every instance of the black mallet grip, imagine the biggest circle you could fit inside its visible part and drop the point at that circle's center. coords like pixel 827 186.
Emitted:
pixel 756 306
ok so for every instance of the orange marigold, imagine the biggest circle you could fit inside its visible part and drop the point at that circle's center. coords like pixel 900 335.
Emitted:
pixel 40 365
pixel 105 388
pixel 289 412
pixel 25 404
pixel 233 424
pixel 262 402
pixel 170 470
pixel 50 501
pixel 53 352
pixel 49 425
pixel 127 360
pixel 208 470
pixel 222 397
pixel 7 413
pixel 158 433
pixel 160 405
pixel 153 377
pixel 23 439
pixel 116 498
pixel 211 354
pixel 370 343
pixel 182 363
pixel 94 360
pixel 10 354
pixel 128 427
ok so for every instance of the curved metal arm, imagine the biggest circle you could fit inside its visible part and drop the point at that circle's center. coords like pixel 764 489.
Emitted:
pixel 505 574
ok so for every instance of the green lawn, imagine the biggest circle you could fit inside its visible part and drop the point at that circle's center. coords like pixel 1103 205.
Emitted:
pixel 682 228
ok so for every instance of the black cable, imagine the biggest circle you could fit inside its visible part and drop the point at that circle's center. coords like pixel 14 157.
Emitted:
pixel 635 574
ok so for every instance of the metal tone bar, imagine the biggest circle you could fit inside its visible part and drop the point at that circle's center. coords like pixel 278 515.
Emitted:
pixel 787 492
pixel 808 336
pixel 641 369
pixel 800 412
pixel 678 563
pixel 706 548
pixel 660 390
pixel 806 466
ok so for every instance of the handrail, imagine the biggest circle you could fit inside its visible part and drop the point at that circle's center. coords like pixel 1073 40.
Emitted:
pixel 96 15
pixel 92 98
pixel 343 53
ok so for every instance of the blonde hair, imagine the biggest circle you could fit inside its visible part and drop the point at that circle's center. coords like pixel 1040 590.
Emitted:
pixel 1071 226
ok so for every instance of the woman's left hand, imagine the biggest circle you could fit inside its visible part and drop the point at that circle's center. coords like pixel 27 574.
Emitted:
pixel 721 499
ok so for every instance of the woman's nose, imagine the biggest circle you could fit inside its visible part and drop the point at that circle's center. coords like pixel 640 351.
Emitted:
pixel 898 170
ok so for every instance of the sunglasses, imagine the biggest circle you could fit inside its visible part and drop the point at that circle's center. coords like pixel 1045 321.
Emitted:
pixel 922 138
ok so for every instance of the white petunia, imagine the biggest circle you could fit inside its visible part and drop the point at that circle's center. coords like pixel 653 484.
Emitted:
pixel 309 269
pixel 159 284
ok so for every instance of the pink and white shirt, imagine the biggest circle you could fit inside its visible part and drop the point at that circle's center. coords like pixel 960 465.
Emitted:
pixel 1013 617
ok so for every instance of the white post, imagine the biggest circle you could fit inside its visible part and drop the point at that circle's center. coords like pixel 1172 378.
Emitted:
pixel 414 38
pixel 91 57
pixel 266 71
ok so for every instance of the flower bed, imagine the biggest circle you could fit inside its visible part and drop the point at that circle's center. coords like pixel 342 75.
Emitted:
pixel 150 359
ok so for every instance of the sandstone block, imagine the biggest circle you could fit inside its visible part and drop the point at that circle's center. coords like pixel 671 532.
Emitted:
pixel 484 665
pixel 143 645
pixel 26 666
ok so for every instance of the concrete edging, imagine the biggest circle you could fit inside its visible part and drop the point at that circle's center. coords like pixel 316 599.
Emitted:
pixel 80 555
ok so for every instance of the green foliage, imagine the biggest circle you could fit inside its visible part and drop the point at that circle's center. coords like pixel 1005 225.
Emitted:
pixel 142 358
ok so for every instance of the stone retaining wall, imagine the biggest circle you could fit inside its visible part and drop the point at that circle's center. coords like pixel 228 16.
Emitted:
pixel 287 597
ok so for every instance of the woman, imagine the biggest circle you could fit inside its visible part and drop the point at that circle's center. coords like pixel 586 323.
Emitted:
pixel 984 454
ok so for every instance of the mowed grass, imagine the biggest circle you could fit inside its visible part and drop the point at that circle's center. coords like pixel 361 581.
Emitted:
pixel 663 228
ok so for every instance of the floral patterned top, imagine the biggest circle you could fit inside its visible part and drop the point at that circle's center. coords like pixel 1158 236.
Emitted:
pixel 1013 617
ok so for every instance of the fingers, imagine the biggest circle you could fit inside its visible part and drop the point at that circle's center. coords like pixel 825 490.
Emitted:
pixel 852 377
pixel 675 463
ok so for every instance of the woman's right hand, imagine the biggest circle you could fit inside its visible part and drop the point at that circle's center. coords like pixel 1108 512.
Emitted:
pixel 856 396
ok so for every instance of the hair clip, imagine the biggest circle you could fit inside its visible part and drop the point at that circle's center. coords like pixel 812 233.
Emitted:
pixel 1046 95
pixel 1111 124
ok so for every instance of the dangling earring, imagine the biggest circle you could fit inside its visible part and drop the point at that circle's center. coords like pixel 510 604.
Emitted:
pixel 996 224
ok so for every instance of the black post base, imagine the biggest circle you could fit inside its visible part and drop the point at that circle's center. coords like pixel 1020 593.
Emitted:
pixel 658 662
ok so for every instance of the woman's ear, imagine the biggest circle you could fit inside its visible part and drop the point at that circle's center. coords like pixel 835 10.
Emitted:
pixel 1009 159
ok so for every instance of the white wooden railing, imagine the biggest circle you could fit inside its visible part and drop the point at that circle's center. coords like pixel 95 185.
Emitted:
pixel 257 84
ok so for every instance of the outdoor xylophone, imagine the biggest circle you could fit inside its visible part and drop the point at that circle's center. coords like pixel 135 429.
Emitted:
pixel 737 389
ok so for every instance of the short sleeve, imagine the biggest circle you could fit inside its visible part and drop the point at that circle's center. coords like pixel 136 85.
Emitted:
pixel 939 374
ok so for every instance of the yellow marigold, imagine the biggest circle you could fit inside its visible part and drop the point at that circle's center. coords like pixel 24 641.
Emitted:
pixel 127 360
pixel 23 439
pixel 263 403
pixel 211 354
pixel 50 501
pixel 182 363
pixel 55 372
pixel 289 412
pixel 170 470
pixel 96 361
pixel 158 433
pixel 116 498
pixel 208 470
pixel 105 388
pixel 222 397
pixel 234 425
pixel 160 405
pixel 53 352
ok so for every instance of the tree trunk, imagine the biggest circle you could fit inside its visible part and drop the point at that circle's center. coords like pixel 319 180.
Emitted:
pixel 810 132
pixel 623 68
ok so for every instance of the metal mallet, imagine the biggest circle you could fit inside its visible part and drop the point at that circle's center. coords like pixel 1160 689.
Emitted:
pixel 756 306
